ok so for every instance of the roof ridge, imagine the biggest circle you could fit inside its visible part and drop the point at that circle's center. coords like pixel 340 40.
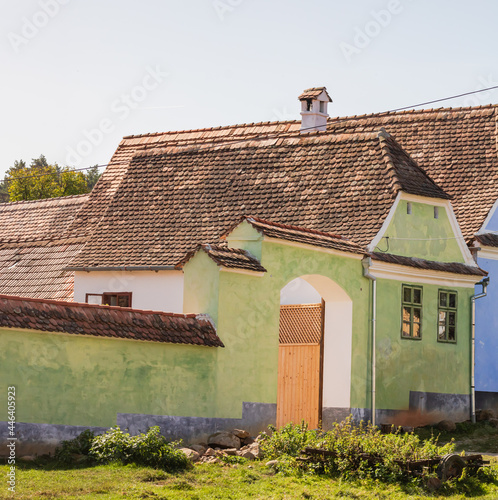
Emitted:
pixel 332 120
pixel 95 306
pixel 384 137
pixel 42 200
pixel 329 136
pixel 210 129
pixel 296 228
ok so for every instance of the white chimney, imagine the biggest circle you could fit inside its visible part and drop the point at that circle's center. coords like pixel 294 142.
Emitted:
pixel 314 103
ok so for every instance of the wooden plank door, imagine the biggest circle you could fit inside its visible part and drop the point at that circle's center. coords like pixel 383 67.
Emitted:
pixel 300 364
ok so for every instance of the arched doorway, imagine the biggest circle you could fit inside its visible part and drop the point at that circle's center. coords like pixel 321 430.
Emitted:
pixel 315 336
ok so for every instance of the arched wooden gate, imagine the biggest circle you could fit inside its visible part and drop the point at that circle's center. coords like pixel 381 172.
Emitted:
pixel 300 364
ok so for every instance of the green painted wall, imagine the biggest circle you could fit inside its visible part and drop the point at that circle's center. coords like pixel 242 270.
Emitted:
pixel 248 318
pixel 247 237
pixel 73 380
pixel 405 365
pixel 201 285
pixel 421 235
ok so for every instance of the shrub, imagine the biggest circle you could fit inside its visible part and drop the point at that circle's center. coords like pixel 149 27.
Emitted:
pixel 149 449
pixel 358 450
pixel 80 445
pixel 288 440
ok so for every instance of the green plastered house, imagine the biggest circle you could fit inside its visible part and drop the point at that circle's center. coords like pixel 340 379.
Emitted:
pixel 242 276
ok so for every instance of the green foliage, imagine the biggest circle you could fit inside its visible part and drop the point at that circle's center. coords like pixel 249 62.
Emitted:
pixel 43 180
pixel 359 451
pixel 92 176
pixel 288 440
pixel 150 449
pixel 80 445
pixel 4 192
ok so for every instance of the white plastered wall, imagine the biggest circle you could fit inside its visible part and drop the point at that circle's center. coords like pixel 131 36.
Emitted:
pixel 156 291
pixel 338 333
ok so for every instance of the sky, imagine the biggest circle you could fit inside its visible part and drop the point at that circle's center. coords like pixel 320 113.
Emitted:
pixel 78 75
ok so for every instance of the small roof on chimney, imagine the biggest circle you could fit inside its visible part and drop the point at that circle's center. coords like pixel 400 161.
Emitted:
pixel 314 93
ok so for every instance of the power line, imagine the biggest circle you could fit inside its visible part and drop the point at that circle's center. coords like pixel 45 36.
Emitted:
pixel 279 134
pixel 52 173
pixel 342 120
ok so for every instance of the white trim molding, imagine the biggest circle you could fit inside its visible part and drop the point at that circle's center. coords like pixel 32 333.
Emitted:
pixel 490 215
pixel 490 253
pixel 387 270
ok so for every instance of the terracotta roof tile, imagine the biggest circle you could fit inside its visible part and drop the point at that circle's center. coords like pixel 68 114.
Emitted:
pixel 171 200
pixel 487 239
pixel 233 258
pixel 313 93
pixel 105 321
pixel 35 249
pixel 457 147
pixel 302 235
pixel 28 221
pixel 449 267
pixel 37 270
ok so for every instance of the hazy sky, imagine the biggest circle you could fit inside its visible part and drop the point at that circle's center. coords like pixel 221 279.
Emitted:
pixel 78 75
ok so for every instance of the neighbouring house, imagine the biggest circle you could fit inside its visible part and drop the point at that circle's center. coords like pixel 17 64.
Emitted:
pixel 35 249
pixel 323 267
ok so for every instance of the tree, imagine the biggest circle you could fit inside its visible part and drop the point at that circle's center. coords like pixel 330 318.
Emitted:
pixel 4 192
pixel 92 176
pixel 43 180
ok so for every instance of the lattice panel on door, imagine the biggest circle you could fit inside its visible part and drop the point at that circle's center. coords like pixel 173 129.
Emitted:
pixel 300 324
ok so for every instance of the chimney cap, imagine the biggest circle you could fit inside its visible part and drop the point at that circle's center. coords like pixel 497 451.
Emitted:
pixel 315 93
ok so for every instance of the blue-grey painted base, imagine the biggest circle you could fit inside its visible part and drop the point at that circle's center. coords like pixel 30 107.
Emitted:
pixel 487 400
pixel 332 415
pixel 40 439
pixel 256 417
pixel 454 407
pixel 424 408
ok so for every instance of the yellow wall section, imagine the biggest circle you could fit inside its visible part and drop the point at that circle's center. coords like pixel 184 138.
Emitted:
pixel 419 234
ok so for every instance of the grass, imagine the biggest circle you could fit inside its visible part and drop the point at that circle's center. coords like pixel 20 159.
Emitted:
pixel 47 479
pixel 250 480
pixel 481 437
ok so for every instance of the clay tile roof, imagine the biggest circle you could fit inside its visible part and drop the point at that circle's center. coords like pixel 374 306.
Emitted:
pixel 487 239
pixel 234 258
pixel 35 247
pixel 37 220
pixel 302 235
pixel 410 178
pixel 313 93
pixel 37 270
pixel 449 267
pixel 163 194
pixel 105 321
pixel 457 147
pixel 171 200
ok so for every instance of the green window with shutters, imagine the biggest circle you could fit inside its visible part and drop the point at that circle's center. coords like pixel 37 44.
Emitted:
pixel 411 312
pixel 447 316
